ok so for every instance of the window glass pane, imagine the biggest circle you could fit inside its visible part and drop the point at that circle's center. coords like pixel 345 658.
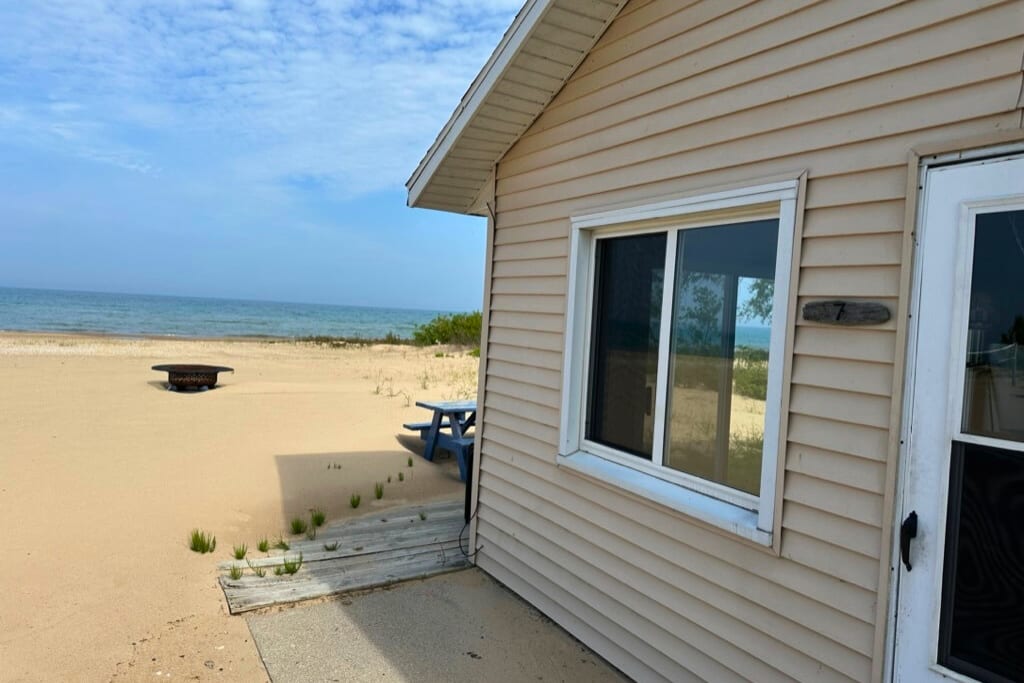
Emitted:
pixel 722 310
pixel 981 629
pixel 624 342
pixel 993 390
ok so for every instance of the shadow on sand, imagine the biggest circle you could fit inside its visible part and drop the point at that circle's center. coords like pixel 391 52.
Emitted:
pixel 328 480
pixel 162 386
pixel 460 626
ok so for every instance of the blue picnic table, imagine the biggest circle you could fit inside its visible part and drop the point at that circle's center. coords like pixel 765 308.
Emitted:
pixel 447 429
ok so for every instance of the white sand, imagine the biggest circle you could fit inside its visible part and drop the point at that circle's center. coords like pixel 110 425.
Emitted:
pixel 103 473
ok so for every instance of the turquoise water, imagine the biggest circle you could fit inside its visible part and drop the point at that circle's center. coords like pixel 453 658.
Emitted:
pixel 753 336
pixel 44 310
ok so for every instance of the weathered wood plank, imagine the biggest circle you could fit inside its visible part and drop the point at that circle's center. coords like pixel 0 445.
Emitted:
pixel 366 542
pixel 840 312
pixel 374 550
pixel 402 568
pixel 386 518
pixel 315 572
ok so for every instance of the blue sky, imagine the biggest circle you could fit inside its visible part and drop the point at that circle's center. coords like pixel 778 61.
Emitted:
pixel 246 148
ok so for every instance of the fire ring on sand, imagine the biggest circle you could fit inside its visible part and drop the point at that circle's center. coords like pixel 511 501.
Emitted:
pixel 183 376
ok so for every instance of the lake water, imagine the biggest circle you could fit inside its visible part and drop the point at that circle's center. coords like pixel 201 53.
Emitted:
pixel 44 310
pixel 753 336
pixel 47 310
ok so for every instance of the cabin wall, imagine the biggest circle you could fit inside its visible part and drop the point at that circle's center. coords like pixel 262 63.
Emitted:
pixel 677 97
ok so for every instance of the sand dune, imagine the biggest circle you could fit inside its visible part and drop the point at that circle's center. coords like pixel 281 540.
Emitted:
pixel 103 473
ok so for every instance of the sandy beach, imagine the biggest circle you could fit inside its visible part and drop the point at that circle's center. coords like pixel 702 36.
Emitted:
pixel 103 473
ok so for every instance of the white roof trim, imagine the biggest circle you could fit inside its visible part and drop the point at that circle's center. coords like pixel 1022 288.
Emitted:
pixel 483 87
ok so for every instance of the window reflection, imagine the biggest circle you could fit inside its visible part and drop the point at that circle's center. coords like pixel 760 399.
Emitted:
pixel 721 323
pixel 993 391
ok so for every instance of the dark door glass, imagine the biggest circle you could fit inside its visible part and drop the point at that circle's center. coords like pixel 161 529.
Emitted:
pixel 981 632
pixel 981 626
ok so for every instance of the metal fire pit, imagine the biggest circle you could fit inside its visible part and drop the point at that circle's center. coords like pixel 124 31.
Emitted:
pixel 191 376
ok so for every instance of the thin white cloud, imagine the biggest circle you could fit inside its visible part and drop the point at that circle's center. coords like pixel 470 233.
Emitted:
pixel 349 93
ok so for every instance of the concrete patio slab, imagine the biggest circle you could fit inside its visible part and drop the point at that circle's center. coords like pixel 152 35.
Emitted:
pixel 460 626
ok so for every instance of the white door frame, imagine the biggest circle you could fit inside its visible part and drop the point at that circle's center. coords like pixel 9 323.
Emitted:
pixel 966 158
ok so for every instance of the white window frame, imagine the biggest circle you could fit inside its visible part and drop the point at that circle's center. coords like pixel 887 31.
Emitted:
pixel 751 517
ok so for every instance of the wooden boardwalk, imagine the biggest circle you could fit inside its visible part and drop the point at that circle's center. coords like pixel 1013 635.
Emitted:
pixel 376 550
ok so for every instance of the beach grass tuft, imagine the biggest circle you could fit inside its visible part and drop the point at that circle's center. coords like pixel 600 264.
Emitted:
pixel 389 478
pixel 378 490
pixel 278 570
pixel 281 544
pixel 331 547
pixel 258 571
pixel 292 566
pixel 299 525
pixel 263 545
pixel 385 385
pixel 336 342
pixel 401 476
pixel 354 500
pixel 409 461
pixel 235 573
pixel 317 517
pixel 423 516
pixel 239 551
pixel 201 542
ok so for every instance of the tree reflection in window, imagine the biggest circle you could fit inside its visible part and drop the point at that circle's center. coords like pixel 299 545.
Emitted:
pixel 722 311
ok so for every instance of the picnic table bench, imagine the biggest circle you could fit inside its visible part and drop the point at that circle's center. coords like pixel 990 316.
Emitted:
pixel 447 429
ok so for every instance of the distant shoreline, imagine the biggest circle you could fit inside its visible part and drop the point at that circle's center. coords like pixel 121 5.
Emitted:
pixel 165 317
pixel 321 340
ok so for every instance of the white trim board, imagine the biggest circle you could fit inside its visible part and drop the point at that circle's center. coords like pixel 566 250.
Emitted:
pixel 931 535
pixel 484 92
pixel 751 517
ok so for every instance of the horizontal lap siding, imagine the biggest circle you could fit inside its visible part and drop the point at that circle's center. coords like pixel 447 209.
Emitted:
pixel 833 618
pixel 677 97
pixel 801 594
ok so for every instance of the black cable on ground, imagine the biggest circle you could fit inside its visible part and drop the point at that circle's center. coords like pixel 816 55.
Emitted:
pixel 465 551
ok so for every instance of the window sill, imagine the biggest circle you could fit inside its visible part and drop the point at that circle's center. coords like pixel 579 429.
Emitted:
pixel 709 510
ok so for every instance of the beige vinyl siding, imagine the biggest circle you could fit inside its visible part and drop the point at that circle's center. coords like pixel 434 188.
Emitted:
pixel 524 374
pixel 676 98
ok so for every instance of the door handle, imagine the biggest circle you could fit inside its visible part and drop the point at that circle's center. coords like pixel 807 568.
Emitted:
pixel 908 531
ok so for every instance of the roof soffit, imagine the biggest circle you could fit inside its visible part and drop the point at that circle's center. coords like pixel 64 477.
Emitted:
pixel 545 44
